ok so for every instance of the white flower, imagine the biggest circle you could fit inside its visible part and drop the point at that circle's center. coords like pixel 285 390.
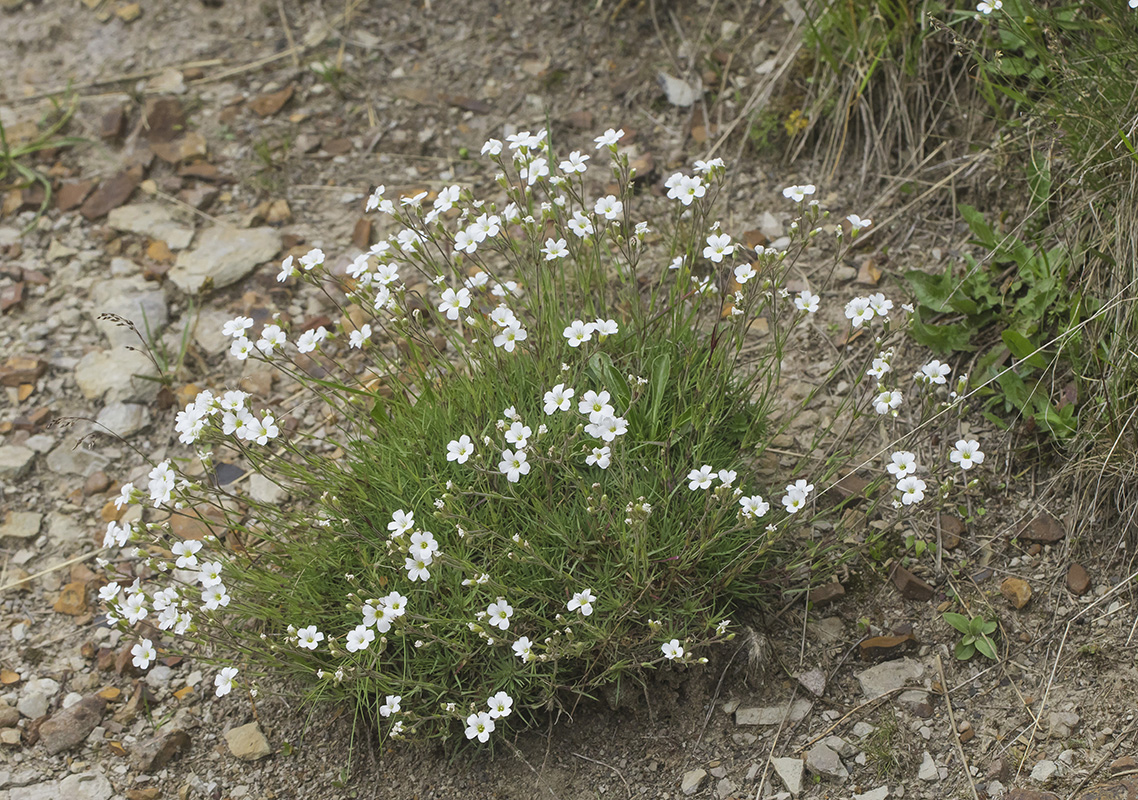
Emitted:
pixel 423 543
pixel 880 366
pixel 555 249
pixel 609 138
pixel 464 242
pixel 557 399
pixel 236 326
pixel 287 270
pixel 798 193
pixel 214 597
pixel 596 406
pixel 373 200
pixel 499 613
pixel 453 302
pixel 575 163
pixel 912 490
pixel 513 465
pixel 887 401
pixel 309 339
pixel 510 336
pixel 312 258
pixel 880 305
pixel 479 726
pixel 359 638
pixel 608 427
pixel 223 681
pixel 806 301
pixel 581 225
pixel 859 312
pixel 518 435
pixel 583 602
pixel 135 607
pixel 492 147
pixel 690 189
pixel 933 372
pixel 701 478
pixel 601 456
pixel 485 226
pixel 744 273
pixel 460 449
pixel 391 705
pixel 608 207
pixel 309 637
pixel 503 317
pixel 578 332
pixel 718 246
pixel 501 705
pixel 605 328
pixel 185 550
pixel 794 501
pixel 359 336
pixel 727 476
pixel 672 650
pixel 523 649
pixel 987 8
pixel 902 464
pixel 401 522
pixel 704 167
pixel 161 485
pixel 967 454
pixel 753 507
pixel 241 348
pixel 417 567
pixel 857 223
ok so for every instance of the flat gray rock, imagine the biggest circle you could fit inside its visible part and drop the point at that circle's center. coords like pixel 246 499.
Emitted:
pixel 135 299
pixel 154 220
pixel 20 524
pixel 110 374
pixel 789 771
pixel 124 419
pixel 224 255
pixel 822 760
pixel 889 676
pixel 773 715
pixel 15 461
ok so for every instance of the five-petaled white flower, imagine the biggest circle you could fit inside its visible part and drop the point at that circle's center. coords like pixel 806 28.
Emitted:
pixel 143 653
pixel 513 465
pixel 453 302
pixel 887 401
pixel 701 478
pixel 807 301
pixel 798 193
pixel 912 490
pixel 672 650
pixel 423 543
pixel 417 567
pixel 509 336
pixel 582 601
pixel 241 348
pixel 744 273
pixel 391 705
pixel 555 249
pixel 967 454
pixel 902 464
pixel 605 328
pixel 754 506
pixel 359 638
pixel 223 681
pixel 595 405
pixel 718 246
pixel 608 207
pixel 401 522
pixel 857 223
pixel 500 705
pixel 601 456
pixel 359 336
pixel 581 225
pixel 557 399
pixel 518 434
pixel 479 726
pixel 933 372
pixel 460 449
pixel 523 649
pixel 186 551
pixel 859 312
pixel 236 326
pixel 309 637
pixel 575 163
pixel 609 138
pixel 987 8
pixel 578 331
pixel 880 305
pixel 499 613
pixel 287 270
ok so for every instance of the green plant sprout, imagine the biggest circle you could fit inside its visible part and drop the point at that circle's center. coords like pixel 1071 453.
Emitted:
pixel 976 636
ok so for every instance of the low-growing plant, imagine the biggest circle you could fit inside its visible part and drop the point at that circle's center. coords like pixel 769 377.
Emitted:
pixel 13 155
pixel 976 636
pixel 526 462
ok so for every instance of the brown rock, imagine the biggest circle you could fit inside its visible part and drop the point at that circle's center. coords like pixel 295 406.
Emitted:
pixel 951 531
pixel 9 716
pixel 247 742
pixel 110 693
pixel 1029 794
pixel 338 147
pixel 69 728
pixel 113 124
pixel 164 119
pixel 967 736
pixel 97 482
pixel 1126 765
pixel 278 212
pixel 827 593
pixel 186 526
pixel 111 513
pixel 149 793
pixel 851 486
pixel 153 754
pixel 17 370
pixel 105 659
pixel 881 648
pixel 910 586
pixel 268 104
pixel 361 233
pixel 10 737
pixel 112 193
pixel 140 699
pixel 1126 789
pixel 1016 591
pixel 1078 581
pixel 191 145
pixel 129 13
pixel 203 170
pixel 71 194
pixel 1044 529
pixel 72 599
pixel 11 296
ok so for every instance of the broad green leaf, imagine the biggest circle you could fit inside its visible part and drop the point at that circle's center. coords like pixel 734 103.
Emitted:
pixel 958 621
pixel 987 647
pixel 1023 349
pixel 965 651
pixel 942 339
pixel 980 228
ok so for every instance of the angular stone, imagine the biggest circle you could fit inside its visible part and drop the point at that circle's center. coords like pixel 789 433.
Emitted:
pixel 153 220
pixel 21 525
pixel 1126 765
pixel 1078 581
pixel 112 193
pixel 813 681
pixel 822 760
pixel 880 648
pixel 823 595
pixel 889 676
pixel 1016 591
pixel 15 461
pixel 268 104
pixel 9 716
pixel 880 793
pixel 1116 790
pixel 165 120
pixel 133 299
pixel 67 459
pixel 928 770
pixel 1044 529
pixel 1063 723
pixel 910 586
pixel 191 145
pixel 224 256
pixel 72 599
pixel 918 701
pixel 247 742
pixel 266 491
pixel 112 373
pixel 773 715
pixel 153 754
pixel 18 370
pixel 951 531
pixel 47 790
pixel 86 786
pixel 1044 771
pixel 71 194
pixel 124 419
pixel 70 727
pixel 692 781
pixel 789 771
pixel 1029 794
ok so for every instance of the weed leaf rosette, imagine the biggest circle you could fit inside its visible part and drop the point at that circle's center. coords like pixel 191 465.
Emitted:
pixel 524 465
